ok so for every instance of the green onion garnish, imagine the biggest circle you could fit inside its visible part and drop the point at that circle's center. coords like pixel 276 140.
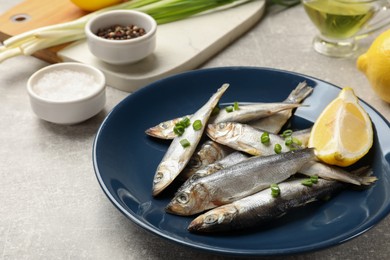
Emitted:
pixel 287 133
pixel 229 109
pixel 197 125
pixel 185 122
pixel 265 138
pixel 314 179
pixel 307 182
pixel 275 190
pixel 235 106
pixel 278 148
pixel 288 141
pixel 181 126
pixel 178 129
pixel 185 143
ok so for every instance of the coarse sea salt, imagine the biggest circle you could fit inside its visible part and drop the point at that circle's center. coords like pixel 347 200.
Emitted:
pixel 65 85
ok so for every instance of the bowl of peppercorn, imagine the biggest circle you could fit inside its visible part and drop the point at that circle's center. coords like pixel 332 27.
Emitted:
pixel 121 36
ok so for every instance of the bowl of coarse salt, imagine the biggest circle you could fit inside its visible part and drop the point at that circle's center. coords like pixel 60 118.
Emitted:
pixel 67 93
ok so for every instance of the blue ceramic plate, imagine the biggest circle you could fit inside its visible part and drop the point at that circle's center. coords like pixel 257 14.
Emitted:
pixel 125 160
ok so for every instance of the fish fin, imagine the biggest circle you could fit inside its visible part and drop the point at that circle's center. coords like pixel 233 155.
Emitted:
pixel 248 149
pixel 299 93
pixel 365 174
pixel 368 180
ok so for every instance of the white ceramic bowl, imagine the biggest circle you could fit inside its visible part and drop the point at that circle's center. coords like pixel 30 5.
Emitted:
pixel 67 93
pixel 121 51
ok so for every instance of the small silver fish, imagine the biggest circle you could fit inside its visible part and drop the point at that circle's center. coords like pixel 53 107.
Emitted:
pixel 250 112
pixel 245 138
pixel 260 208
pixel 238 181
pixel 273 124
pixel 177 156
pixel 208 153
pixel 335 173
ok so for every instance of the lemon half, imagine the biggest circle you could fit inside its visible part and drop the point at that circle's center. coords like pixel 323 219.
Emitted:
pixel 343 132
pixel 375 64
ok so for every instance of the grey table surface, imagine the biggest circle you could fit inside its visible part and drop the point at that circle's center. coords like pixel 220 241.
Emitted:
pixel 51 205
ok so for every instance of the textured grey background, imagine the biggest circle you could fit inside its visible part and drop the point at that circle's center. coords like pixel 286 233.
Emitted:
pixel 51 206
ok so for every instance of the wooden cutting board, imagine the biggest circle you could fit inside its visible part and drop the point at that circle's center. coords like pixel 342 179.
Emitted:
pixel 33 14
pixel 181 45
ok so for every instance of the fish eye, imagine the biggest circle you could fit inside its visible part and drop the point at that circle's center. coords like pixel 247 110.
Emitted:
pixel 164 125
pixel 210 219
pixel 159 176
pixel 221 125
pixel 182 198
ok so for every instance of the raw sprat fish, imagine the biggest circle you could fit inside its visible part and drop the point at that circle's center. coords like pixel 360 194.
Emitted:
pixel 273 124
pixel 243 137
pixel 238 181
pixel 182 147
pixel 246 112
pixel 260 208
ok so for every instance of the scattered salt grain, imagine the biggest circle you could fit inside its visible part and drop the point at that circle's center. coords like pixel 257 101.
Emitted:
pixel 65 85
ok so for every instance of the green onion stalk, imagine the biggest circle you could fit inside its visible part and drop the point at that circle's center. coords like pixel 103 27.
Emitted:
pixel 163 11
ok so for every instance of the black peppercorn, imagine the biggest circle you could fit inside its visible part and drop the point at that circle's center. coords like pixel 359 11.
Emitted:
pixel 120 32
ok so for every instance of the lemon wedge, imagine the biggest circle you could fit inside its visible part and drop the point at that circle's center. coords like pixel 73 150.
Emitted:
pixel 343 133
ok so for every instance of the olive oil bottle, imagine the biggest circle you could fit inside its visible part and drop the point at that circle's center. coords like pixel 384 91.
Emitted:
pixel 339 19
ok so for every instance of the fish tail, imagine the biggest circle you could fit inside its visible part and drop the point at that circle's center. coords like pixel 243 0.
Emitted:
pixel 299 93
pixel 365 174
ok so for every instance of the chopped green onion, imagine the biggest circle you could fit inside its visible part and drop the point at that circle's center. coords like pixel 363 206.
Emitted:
pixel 185 143
pixel 275 190
pixel 235 106
pixel 185 122
pixel 229 109
pixel 314 179
pixel 278 148
pixel 265 138
pixel 307 182
pixel 178 129
pixel 181 126
pixel 287 133
pixel 197 125
pixel 288 141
